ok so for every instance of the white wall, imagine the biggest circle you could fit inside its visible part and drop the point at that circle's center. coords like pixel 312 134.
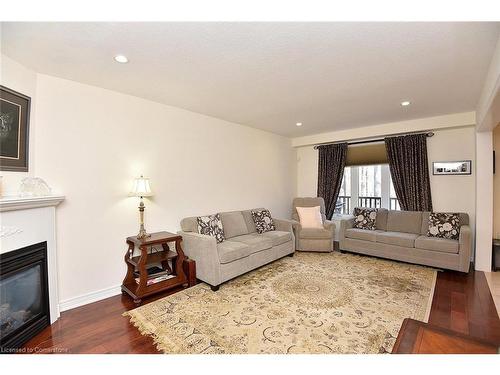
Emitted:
pixel 91 142
pixel 488 106
pixel 307 171
pixel 416 125
pixel 449 193
pixel 484 199
pixel 488 117
pixel 454 193
pixel 496 184
pixel 18 78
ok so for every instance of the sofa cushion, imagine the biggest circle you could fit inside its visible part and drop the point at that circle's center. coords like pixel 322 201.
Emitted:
pixel 444 225
pixel 315 233
pixel 234 224
pixel 437 244
pixel 365 218
pixel 263 221
pixel 397 238
pixel 247 215
pixel 278 237
pixel 229 251
pixel 190 224
pixel 404 221
pixel 382 214
pixel 211 225
pixel 362 234
pixel 257 242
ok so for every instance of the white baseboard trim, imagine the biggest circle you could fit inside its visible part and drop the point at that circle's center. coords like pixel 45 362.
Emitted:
pixel 85 299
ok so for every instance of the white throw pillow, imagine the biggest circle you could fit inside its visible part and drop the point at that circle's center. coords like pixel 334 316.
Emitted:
pixel 310 217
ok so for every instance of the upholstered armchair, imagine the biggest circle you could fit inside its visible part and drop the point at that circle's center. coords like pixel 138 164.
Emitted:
pixel 312 239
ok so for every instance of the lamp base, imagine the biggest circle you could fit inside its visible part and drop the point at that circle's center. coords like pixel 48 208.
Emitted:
pixel 142 233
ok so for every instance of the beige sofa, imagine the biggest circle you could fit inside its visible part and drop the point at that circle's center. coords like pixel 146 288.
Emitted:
pixel 312 239
pixel 242 251
pixel 402 235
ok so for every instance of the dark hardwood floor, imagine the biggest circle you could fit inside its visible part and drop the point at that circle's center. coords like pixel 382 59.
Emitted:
pixel 462 303
pixel 416 337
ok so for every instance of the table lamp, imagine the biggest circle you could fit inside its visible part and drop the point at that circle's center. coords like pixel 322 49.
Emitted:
pixel 141 189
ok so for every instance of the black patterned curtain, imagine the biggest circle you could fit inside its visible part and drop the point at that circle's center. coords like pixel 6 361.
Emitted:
pixel 331 163
pixel 410 171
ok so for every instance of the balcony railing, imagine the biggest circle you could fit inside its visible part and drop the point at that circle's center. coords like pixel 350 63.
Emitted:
pixel 343 206
pixel 394 204
pixel 371 202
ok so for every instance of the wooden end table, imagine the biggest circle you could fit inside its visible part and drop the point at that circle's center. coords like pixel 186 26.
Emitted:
pixel 155 250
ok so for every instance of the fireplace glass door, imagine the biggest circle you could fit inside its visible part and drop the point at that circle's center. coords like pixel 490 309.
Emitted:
pixel 20 299
pixel 23 295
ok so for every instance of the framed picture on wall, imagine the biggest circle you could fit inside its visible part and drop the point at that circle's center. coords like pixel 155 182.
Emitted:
pixel 452 167
pixel 14 130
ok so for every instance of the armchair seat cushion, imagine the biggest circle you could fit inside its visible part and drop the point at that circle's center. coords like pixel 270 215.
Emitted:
pixel 278 237
pixel 397 238
pixel 256 242
pixel 229 251
pixel 362 234
pixel 315 233
pixel 443 245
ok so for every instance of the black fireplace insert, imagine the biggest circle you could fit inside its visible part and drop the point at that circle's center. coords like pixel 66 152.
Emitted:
pixel 24 295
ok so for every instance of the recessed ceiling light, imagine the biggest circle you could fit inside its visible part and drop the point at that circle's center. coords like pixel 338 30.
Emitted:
pixel 299 124
pixel 406 103
pixel 121 59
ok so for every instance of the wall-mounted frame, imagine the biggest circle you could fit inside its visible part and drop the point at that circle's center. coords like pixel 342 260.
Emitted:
pixel 14 130
pixel 463 167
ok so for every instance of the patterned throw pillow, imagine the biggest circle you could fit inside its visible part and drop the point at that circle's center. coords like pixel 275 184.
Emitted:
pixel 211 225
pixel 263 221
pixel 365 218
pixel 444 225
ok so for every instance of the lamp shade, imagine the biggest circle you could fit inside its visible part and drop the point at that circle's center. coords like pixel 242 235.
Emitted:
pixel 141 188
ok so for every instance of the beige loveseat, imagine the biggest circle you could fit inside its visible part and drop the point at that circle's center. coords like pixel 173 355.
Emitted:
pixel 402 235
pixel 242 251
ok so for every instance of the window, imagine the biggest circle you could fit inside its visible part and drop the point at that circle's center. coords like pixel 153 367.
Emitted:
pixel 393 200
pixel 344 200
pixel 370 186
pixel 366 186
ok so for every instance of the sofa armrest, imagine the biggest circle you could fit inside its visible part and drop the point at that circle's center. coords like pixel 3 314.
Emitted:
pixel 345 224
pixel 329 225
pixel 465 247
pixel 284 225
pixel 203 250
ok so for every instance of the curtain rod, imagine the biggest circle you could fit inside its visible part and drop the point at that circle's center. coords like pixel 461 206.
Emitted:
pixel 428 134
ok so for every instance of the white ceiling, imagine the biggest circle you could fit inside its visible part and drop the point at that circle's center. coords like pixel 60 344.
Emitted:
pixel 328 76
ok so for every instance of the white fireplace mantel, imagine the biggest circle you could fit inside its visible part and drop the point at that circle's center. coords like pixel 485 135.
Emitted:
pixel 23 203
pixel 25 221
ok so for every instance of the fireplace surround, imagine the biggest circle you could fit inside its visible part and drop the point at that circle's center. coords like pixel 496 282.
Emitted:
pixel 24 295
pixel 28 221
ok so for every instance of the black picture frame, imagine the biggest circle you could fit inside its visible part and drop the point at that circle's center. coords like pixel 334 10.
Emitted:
pixel 14 130
pixel 450 168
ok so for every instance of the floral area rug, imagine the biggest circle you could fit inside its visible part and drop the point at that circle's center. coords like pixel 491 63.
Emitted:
pixel 311 303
